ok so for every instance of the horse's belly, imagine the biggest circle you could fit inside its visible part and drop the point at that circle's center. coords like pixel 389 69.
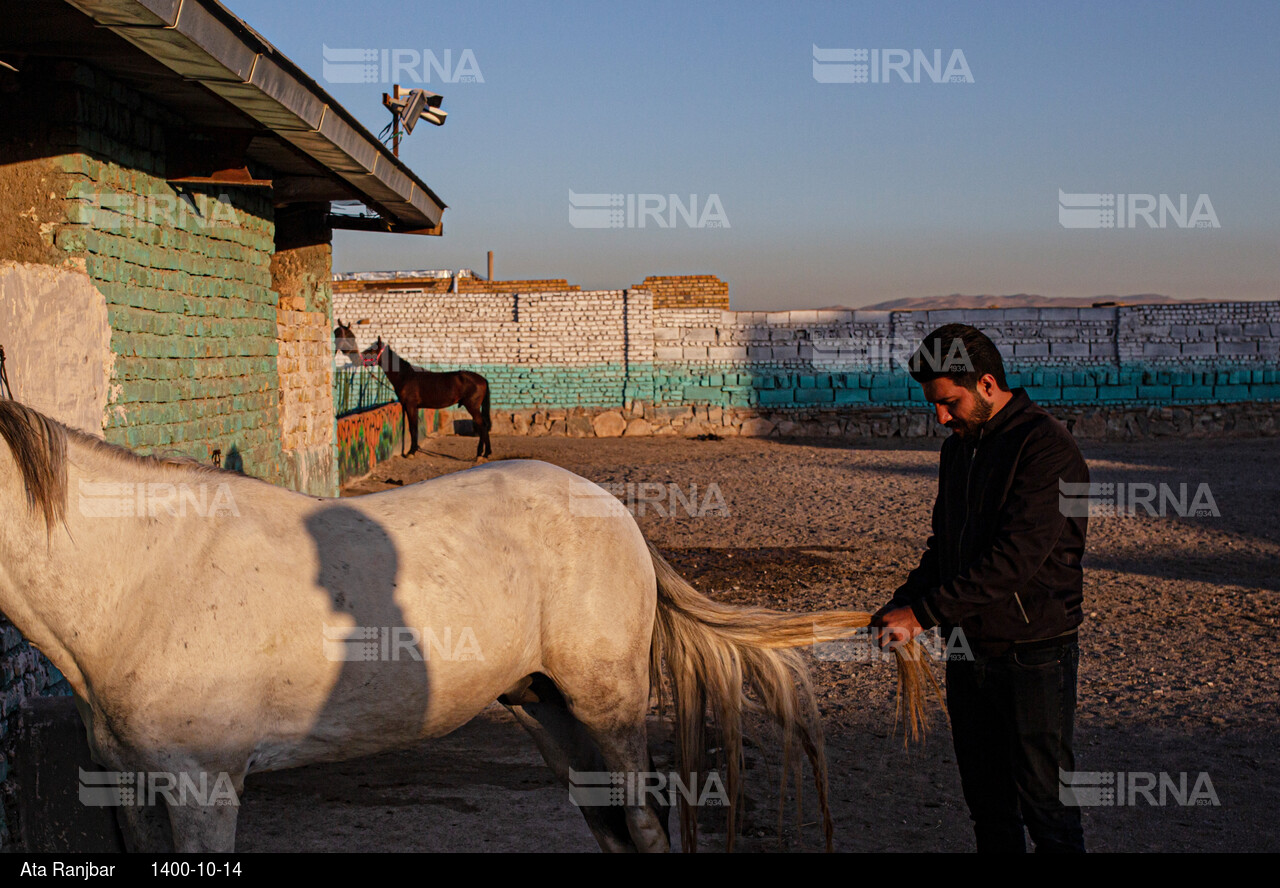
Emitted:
pixel 382 705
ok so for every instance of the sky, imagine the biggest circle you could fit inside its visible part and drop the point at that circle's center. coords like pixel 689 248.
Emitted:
pixel 810 192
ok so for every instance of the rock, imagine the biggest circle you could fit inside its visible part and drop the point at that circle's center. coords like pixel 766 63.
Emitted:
pixel 520 423
pixel 918 425
pixel 502 425
pixel 695 428
pixel 1090 427
pixel 557 427
pixel 667 414
pixel 756 428
pixel 609 425
pixel 638 428
pixel 580 427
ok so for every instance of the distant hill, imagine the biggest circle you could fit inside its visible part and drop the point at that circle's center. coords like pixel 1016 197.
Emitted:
pixel 1017 300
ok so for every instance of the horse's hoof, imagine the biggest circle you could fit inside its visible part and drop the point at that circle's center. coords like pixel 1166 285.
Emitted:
pixel 480 459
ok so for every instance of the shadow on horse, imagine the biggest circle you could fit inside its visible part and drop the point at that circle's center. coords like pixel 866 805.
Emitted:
pixel 417 389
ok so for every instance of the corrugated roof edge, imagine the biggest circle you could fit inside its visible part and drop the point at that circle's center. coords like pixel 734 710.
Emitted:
pixel 166 13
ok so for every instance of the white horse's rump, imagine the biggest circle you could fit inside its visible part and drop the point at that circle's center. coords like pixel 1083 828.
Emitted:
pixel 276 629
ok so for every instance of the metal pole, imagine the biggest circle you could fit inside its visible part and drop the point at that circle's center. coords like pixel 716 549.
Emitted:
pixel 395 133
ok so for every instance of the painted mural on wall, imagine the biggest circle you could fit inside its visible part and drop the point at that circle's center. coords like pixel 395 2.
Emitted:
pixel 373 436
pixel 366 438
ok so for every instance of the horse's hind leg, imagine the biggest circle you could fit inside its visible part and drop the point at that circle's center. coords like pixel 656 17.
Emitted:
pixel 480 422
pixel 613 705
pixel 204 804
pixel 625 749
pixel 411 417
pixel 197 819
pixel 145 828
pixel 566 746
pixel 201 827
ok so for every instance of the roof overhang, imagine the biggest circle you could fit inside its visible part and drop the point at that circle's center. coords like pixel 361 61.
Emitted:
pixel 206 45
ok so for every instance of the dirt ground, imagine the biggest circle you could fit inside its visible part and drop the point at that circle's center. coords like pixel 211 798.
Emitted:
pixel 1179 668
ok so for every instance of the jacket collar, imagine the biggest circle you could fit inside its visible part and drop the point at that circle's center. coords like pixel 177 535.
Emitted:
pixel 1018 404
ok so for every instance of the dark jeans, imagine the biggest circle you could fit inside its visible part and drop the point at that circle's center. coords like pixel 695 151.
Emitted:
pixel 1012 719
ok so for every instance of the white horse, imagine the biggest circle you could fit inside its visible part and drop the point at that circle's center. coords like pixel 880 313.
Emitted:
pixel 194 612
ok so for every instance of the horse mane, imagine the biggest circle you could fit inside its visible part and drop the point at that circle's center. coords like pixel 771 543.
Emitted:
pixel 39 447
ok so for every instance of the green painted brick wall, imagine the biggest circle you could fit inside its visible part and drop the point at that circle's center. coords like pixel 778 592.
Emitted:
pixel 186 276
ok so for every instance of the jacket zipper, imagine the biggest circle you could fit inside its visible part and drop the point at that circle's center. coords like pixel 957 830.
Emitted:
pixel 968 481
pixel 1020 609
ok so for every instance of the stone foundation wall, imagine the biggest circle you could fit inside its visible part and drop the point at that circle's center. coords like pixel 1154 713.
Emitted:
pixel 1245 419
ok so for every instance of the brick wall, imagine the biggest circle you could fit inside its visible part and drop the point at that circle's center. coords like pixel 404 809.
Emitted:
pixel 557 362
pixel 1141 355
pixel 301 273
pixel 186 276
pixel 581 348
pixel 466 284
pixel 669 291
pixel 687 291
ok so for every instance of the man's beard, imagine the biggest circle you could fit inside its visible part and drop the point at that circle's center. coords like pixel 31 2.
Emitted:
pixel 981 413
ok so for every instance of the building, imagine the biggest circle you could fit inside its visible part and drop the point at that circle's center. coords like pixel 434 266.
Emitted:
pixel 167 181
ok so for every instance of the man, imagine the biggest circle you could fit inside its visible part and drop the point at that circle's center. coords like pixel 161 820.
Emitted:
pixel 1002 566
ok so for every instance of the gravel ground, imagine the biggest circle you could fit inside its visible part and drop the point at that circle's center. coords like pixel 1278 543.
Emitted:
pixel 1178 672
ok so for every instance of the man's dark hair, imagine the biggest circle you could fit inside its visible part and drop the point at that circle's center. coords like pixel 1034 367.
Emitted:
pixel 960 353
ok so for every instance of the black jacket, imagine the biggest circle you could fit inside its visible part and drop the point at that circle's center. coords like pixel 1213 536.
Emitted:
pixel 1003 562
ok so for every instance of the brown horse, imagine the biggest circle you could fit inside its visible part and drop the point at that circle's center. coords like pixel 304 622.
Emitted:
pixel 417 389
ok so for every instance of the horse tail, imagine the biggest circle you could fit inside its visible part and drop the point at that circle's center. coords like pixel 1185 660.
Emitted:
pixel 711 650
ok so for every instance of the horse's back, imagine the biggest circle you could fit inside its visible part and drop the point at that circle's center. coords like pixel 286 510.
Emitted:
pixel 438 389
pixel 545 556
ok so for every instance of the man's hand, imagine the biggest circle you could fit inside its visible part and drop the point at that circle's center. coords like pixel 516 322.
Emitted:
pixel 897 626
